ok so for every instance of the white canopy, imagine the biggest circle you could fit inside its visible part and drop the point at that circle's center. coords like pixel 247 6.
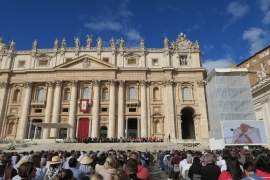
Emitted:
pixel 52 125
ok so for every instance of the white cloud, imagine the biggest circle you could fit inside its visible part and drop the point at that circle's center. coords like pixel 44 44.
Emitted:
pixel 237 10
pixel 210 64
pixel 208 47
pixel 266 19
pixel 257 38
pixel 104 25
pixel 133 35
pixel 264 5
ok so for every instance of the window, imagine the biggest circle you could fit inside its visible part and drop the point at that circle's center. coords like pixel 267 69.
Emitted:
pixel 16 95
pixel 186 94
pixel 132 93
pixel 183 60
pixel 67 94
pixel 21 64
pixel 40 96
pixel 154 62
pixel 105 59
pixel 155 93
pixel 38 110
pixel 247 65
pixel 131 61
pixel 68 60
pixel 65 110
pixel 132 109
pixel 104 109
pixel 86 93
pixel 105 94
pixel 43 62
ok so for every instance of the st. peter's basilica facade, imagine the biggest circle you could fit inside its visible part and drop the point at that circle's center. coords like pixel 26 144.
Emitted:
pixel 103 91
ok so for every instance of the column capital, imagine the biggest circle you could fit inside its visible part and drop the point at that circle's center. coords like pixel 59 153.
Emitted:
pixel 201 83
pixel 58 83
pixel 74 83
pixel 122 83
pixel 168 82
pixel 143 82
pixel 4 85
pixel 96 82
pixel 50 83
pixel 111 82
pixel 28 84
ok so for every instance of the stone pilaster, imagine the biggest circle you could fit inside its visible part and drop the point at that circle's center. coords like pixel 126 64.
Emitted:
pixel 121 107
pixel 170 108
pixel 48 109
pixel 112 109
pixel 179 121
pixel 95 123
pixel 56 107
pixel 73 108
pixel 26 107
pixel 4 91
pixel 197 126
pixel 144 124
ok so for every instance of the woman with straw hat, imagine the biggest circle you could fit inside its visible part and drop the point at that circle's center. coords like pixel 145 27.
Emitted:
pixel 53 171
pixel 85 167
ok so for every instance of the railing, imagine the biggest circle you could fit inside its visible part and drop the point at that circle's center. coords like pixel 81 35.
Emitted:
pixel 187 101
pixel 156 100
pixel 38 102
pixel 16 102
pixel 65 101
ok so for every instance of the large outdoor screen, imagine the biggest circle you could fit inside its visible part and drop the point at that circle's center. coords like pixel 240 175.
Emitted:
pixel 244 132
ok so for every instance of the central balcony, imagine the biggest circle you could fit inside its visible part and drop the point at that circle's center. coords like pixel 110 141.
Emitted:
pixel 132 102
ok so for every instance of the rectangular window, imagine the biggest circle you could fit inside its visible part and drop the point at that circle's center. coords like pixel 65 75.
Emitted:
pixel 43 62
pixel 154 62
pixel 38 110
pixel 183 60
pixel 65 110
pixel 21 64
pixel 105 59
pixel 131 61
pixel 132 109
pixel 104 109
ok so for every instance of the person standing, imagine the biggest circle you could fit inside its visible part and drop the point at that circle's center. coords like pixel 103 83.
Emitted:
pixel 210 171
pixel 169 138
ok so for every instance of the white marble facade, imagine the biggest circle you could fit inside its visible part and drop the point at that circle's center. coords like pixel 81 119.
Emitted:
pixel 139 92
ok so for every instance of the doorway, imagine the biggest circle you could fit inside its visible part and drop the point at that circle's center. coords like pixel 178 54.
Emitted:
pixel 32 129
pixel 103 132
pixel 132 128
pixel 83 129
pixel 63 133
pixel 188 130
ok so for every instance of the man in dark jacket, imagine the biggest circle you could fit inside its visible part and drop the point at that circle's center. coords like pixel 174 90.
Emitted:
pixel 6 160
pixel 132 169
pixel 210 171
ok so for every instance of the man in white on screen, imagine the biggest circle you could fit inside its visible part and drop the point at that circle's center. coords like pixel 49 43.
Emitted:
pixel 245 135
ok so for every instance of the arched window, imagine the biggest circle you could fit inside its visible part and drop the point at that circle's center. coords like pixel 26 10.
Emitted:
pixel 186 94
pixel 41 94
pixel 105 94
pixel 155 93
pixel 86 93
pixel 67 94
pixel 16 95
pixel 132 93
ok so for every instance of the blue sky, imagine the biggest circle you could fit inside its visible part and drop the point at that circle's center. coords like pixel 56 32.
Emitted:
pixel 227 31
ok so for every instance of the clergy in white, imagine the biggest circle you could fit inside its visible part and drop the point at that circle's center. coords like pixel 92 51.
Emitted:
pixel 246 135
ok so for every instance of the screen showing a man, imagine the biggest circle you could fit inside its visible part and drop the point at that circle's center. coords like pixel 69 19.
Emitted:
pixel 246 135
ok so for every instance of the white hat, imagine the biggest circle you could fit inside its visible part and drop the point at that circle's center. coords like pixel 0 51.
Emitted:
pixel 86 160
pixel 55 160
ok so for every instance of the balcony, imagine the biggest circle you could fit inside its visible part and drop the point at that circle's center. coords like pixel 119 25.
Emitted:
pixel 132 102
pixel 16 102
pixel 156 101
pixel 65 101
pixel 38 103
pixel 89 102
pixel 187 101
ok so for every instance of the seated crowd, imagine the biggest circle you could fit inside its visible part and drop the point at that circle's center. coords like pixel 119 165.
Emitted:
pixel 116 140
pixel 63 165
pixel 228 164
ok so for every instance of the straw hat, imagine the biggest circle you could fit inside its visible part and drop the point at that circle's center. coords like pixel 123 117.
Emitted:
pixel 55 160
pixel 86 160
pixel 21 162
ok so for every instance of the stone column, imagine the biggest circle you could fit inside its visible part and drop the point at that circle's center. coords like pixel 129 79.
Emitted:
pixel 48 109
pixel 126 130
pixel 29 130
pixel 25 111
pixel 138 125
pixel 95 123
pixel 121 110
pixel 56 107
pixel 73 108
pixel 4 93
pixel 35 133
pixel 196 120
pixel 170 108
pixel 179 126
pixel 77 127
pixel 89 128
pixel 144 124
pixel 112 110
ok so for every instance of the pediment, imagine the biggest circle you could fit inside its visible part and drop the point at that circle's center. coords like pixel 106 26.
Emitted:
pixel 87 62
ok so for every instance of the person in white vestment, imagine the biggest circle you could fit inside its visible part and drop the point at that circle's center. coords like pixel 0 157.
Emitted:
pixel 245 135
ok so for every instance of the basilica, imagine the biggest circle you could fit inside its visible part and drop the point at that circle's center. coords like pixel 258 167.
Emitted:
pixel 97 91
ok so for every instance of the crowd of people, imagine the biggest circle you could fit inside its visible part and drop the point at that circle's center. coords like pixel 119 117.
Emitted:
pixel 227 164
pixel 117 140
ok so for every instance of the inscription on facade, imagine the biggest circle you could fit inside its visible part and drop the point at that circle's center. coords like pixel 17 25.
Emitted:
pixel 131 74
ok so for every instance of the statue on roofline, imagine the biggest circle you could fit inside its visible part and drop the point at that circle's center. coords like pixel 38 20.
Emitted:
pixel 35 45
pixel 56 43
pixel 88 40
pixel 99 42
pixel 12 45
pixel 77 42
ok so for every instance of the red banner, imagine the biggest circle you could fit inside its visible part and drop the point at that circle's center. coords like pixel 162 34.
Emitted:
pixel 84 105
